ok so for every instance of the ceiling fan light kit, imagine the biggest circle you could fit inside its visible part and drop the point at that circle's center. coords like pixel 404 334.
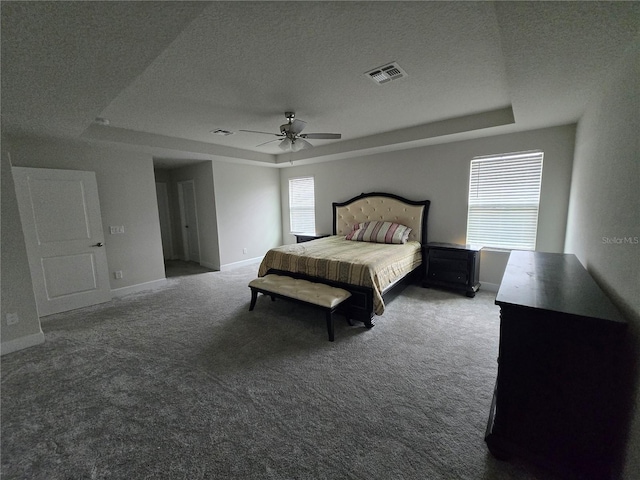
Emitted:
pixel 286 144
pixel 294 145
pixel 292 138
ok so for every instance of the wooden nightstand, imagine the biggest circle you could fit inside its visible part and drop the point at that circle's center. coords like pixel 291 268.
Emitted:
pixel 452 266
pixel 307 237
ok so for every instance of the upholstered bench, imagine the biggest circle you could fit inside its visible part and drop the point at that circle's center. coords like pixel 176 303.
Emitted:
pixel 317 294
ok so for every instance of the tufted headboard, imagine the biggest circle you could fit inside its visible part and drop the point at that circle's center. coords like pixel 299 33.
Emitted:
pixel 382 206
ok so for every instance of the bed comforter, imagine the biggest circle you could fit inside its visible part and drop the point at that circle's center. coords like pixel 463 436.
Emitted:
pixel 374 265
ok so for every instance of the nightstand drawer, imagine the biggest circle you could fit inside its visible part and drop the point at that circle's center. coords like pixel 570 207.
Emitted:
pixel 448 254
pixel 448 276
pixel 455 265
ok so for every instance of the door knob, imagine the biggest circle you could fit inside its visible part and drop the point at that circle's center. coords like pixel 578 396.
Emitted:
pixel 99 244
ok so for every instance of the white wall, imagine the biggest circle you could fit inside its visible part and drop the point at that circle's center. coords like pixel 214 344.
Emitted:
pixel 248 211
pixel 17 290
pixel 605 204
pixel 126 189
pixel 440 173
pixel 202 175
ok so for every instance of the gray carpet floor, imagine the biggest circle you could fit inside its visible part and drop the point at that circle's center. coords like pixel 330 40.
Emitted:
pixel 183 382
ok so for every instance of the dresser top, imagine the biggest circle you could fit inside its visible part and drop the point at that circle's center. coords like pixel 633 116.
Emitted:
pixel 556 282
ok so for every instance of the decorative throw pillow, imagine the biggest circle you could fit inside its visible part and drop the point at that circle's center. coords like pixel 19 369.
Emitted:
pixel 380 232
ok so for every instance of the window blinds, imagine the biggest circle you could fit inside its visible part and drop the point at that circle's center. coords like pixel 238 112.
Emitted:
pixel 504 194
pixel 302 205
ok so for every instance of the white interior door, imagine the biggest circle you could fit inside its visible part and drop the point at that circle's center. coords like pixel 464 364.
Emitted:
pixel 189 218
pixel 162 194
pixel 60 214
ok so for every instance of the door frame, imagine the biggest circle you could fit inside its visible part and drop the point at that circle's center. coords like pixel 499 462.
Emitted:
pixel 166 234
pixel 184 217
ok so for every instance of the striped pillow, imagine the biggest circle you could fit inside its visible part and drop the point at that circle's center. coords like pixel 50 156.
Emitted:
pixel 380 232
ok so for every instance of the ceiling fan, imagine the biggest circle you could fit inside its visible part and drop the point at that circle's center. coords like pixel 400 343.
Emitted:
pixel 291 136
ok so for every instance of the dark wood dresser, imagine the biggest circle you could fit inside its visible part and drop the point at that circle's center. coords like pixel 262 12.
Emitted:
pixel 557 395
pixel 453 266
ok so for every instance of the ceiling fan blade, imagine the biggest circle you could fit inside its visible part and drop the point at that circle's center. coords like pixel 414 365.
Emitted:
pixel 297 126
pixel 270 141
pixel 322 136
pixel 265 133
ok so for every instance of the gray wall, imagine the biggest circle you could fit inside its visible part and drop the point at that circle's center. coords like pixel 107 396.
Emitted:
pixel 126 189
pixel 17 290
pixel 440 173
pixel 248 211
pixel 605 205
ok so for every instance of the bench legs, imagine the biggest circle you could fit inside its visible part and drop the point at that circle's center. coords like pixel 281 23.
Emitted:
pixel 328 314
pixel 330 325
pixel 254 297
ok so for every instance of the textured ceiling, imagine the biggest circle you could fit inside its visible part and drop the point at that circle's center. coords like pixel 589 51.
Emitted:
pixel 166 74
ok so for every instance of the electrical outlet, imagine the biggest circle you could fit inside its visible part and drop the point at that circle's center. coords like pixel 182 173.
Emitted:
pixel 244 251
pixel 12 318
pixel 117 274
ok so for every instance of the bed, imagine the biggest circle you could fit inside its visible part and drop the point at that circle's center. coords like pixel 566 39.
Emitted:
pixel 372 272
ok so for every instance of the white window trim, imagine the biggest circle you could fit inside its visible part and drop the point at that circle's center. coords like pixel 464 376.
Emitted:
pixel 504 200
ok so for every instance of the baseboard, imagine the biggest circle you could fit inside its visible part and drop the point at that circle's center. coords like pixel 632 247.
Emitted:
pixel 489 287
pixel 21 343
pixel 140 287
pixel 231 266
pixel 210 265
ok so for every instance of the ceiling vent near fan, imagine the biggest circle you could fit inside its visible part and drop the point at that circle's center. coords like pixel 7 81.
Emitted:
pixel 220 131
pixel 387 73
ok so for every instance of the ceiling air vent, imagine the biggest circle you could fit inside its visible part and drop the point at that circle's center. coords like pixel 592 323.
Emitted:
pixel 387 73
pixel 222 132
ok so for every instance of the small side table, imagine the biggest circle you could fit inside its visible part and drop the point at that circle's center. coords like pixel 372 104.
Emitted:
pixel 307 237
pixel 454 266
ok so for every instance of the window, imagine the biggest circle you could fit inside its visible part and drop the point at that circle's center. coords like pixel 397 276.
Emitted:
pixel 302 205
pixel 504 194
